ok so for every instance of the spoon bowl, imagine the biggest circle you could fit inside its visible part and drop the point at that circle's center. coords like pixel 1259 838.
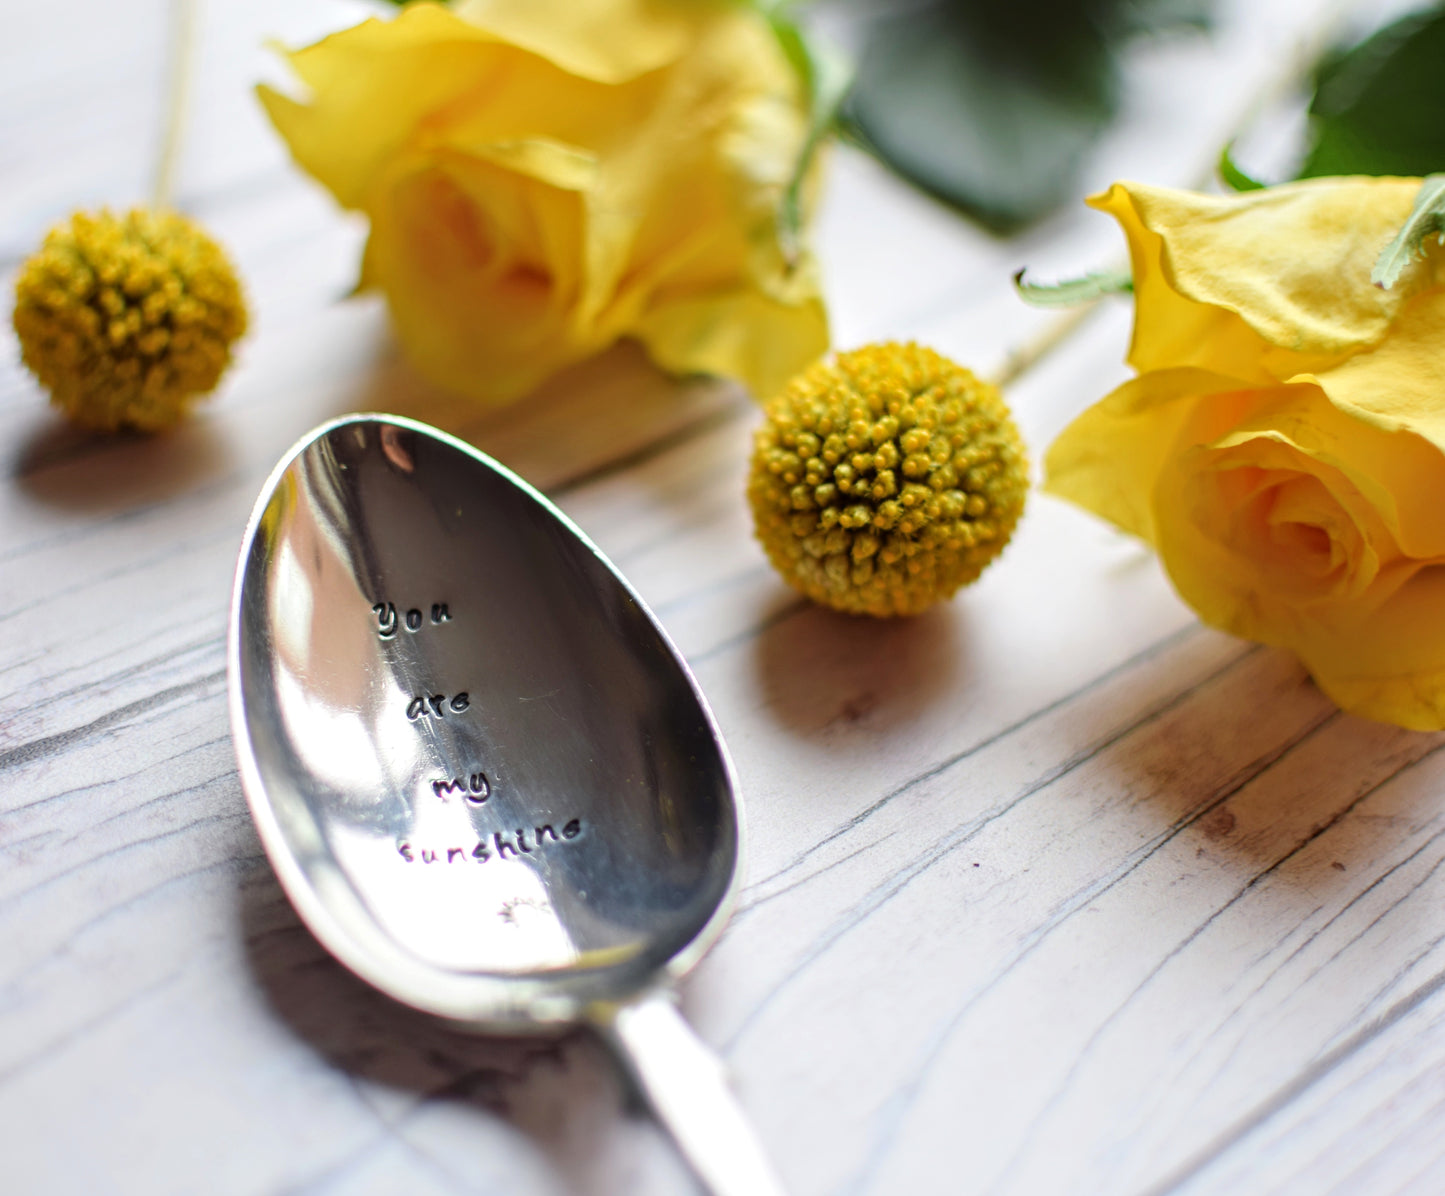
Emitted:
pixel 487 781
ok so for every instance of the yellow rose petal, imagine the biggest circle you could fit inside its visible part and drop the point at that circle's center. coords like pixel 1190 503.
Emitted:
pixel 1254 530
pixel 741 333
pixel 1390 667
pixel 1292 263
pixel 370 86
pixel 609 41
pixel 1109 458
pixel 469 283
pixel 1392 422
pixel 1172 330
pixel 1401 383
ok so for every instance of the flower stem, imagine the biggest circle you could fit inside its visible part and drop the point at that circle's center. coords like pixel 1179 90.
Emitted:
pixel 1056 332
pixel 183 62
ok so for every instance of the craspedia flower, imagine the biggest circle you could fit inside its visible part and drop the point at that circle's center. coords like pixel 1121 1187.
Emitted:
pixel 886 478
pixel 126 319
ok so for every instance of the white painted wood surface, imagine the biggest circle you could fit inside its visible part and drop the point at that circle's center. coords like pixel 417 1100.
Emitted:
pixel 1052 890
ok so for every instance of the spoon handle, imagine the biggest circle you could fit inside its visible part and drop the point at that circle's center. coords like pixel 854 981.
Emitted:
pixel 686 1084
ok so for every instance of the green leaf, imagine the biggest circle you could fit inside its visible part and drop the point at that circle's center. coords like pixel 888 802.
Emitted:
pixel 978 116
pixel 1093 285
pixel 1377 107
pixel 1233 177
pixel 826 75
pixel 993 106
pixel 1427 219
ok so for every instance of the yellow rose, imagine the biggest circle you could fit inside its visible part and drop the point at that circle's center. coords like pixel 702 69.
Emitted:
pixel 544 177
pixel 1283 446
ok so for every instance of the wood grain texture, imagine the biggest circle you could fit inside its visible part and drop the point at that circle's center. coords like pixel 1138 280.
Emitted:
pixel 1051 890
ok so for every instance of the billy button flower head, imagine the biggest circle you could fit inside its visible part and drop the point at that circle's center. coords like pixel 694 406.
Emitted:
pixel 126 319
pixel 884 479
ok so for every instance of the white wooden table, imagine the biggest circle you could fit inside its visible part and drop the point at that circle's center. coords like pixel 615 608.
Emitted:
pixel 1052 890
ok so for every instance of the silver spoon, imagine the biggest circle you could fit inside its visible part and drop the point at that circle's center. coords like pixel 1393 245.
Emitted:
pixel 485 778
